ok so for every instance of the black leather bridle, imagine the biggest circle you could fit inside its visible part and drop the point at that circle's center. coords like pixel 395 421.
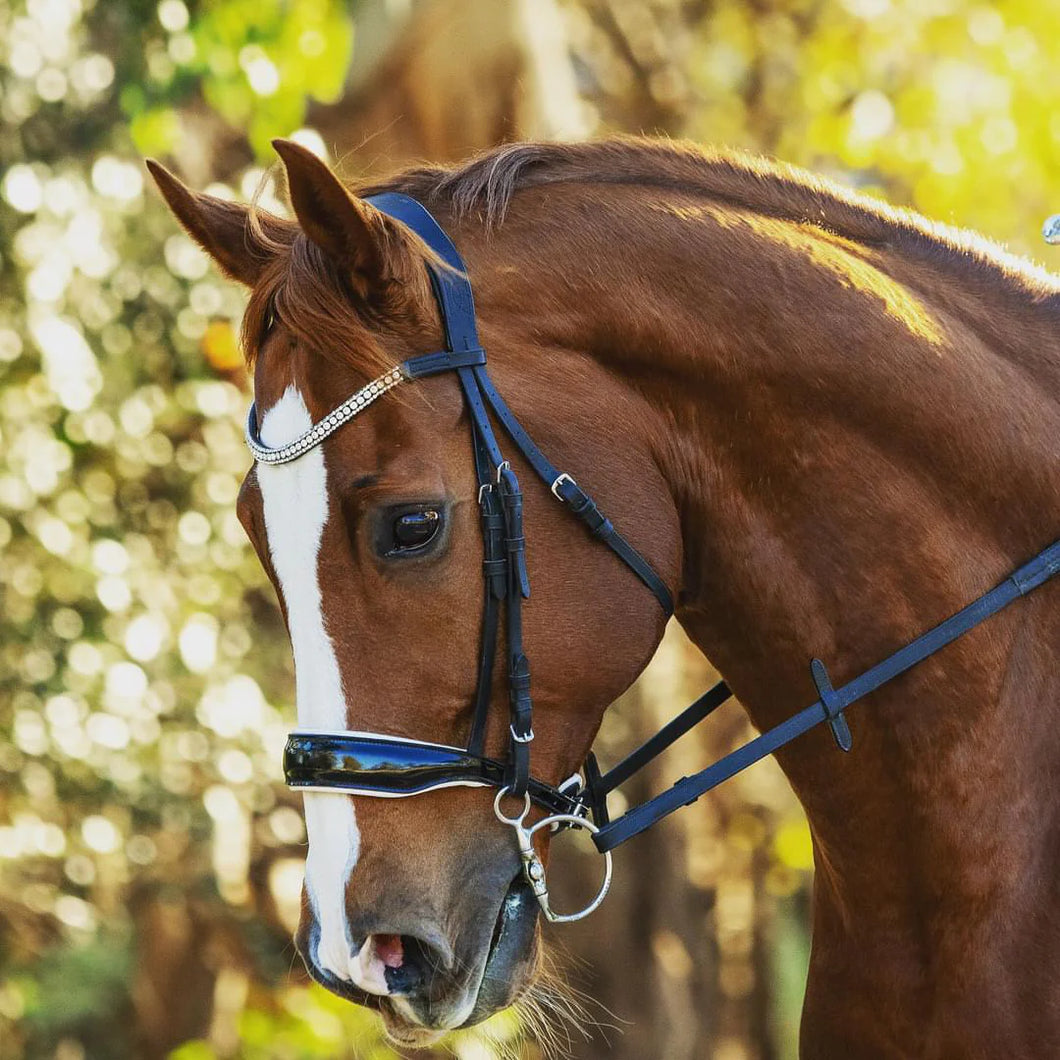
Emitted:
pixel 382 766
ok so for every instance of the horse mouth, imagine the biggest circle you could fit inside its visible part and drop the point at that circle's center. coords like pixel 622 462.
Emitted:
pixel 340 987
pixel 511 951
pixel 506 973
pixel 401 1028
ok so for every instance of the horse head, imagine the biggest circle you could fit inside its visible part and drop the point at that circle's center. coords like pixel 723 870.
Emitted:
pixel 372 540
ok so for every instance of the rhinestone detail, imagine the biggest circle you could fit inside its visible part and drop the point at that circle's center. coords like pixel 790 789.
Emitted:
pixel 326 427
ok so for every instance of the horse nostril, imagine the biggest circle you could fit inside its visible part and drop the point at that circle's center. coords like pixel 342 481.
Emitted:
pixel 411 963
pixel 388 963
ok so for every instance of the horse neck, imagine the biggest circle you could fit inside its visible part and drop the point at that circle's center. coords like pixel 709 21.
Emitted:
pixel 858 443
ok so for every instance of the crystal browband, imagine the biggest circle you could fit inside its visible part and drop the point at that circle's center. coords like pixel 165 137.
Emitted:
pixel 327 426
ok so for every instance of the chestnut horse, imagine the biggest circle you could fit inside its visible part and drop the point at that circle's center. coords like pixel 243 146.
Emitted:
pixel 827 424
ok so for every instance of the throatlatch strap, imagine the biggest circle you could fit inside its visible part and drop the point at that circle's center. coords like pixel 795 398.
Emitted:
pixel 581 504
pixel 571 494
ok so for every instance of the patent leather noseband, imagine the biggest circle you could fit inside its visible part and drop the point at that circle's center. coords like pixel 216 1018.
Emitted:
pixel 382 766
pixel 392 767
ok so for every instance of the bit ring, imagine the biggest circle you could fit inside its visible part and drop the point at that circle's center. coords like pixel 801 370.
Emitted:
pixel 573 821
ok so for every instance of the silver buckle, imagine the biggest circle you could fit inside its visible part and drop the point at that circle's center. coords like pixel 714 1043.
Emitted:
pixel 575 782
pixel 574 788
pixel 502 466
pixel 561 477
pixel 521 739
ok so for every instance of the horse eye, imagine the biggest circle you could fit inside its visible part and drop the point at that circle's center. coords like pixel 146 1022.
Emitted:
pixel 414 530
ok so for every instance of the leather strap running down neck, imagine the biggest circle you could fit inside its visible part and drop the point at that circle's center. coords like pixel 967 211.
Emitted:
pixel 506 583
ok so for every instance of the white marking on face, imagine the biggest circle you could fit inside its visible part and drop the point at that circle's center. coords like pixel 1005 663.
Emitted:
pixel 367 970
pixel 295 501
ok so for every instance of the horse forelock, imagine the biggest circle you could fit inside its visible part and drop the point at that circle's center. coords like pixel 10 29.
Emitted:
pixel 323 307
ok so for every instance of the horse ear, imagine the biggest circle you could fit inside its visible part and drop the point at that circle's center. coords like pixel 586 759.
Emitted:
pixel 347 229
pixel 220 227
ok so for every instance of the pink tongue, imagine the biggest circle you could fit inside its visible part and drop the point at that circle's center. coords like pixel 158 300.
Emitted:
pixel 389 950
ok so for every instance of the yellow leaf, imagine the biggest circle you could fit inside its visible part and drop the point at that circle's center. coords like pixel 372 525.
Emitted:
pixel 793 846
pixel 221 348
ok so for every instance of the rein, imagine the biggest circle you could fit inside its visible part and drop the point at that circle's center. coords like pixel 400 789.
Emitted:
pixel 381 766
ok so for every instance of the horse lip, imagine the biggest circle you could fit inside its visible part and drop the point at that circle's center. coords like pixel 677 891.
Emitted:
pixel 512 939
pixel 405 1034
pixel 341 988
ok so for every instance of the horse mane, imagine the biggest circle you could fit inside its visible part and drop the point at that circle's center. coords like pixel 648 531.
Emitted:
pixel 484 187
pixel 313 297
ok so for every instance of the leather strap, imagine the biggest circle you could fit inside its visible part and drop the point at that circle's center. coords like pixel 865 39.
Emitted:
pixel 504 568
pixel 581 504
pixel 688 789
pixel 669 734
pixel 426 364
pixel 836 718
pixel 451 286
pixel 520 702
pixel 565 489
pixel 495 571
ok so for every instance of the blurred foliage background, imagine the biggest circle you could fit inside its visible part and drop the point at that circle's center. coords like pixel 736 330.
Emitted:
pixel 150 860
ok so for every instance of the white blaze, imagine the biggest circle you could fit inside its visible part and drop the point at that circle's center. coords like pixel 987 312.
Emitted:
pixel 295 500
